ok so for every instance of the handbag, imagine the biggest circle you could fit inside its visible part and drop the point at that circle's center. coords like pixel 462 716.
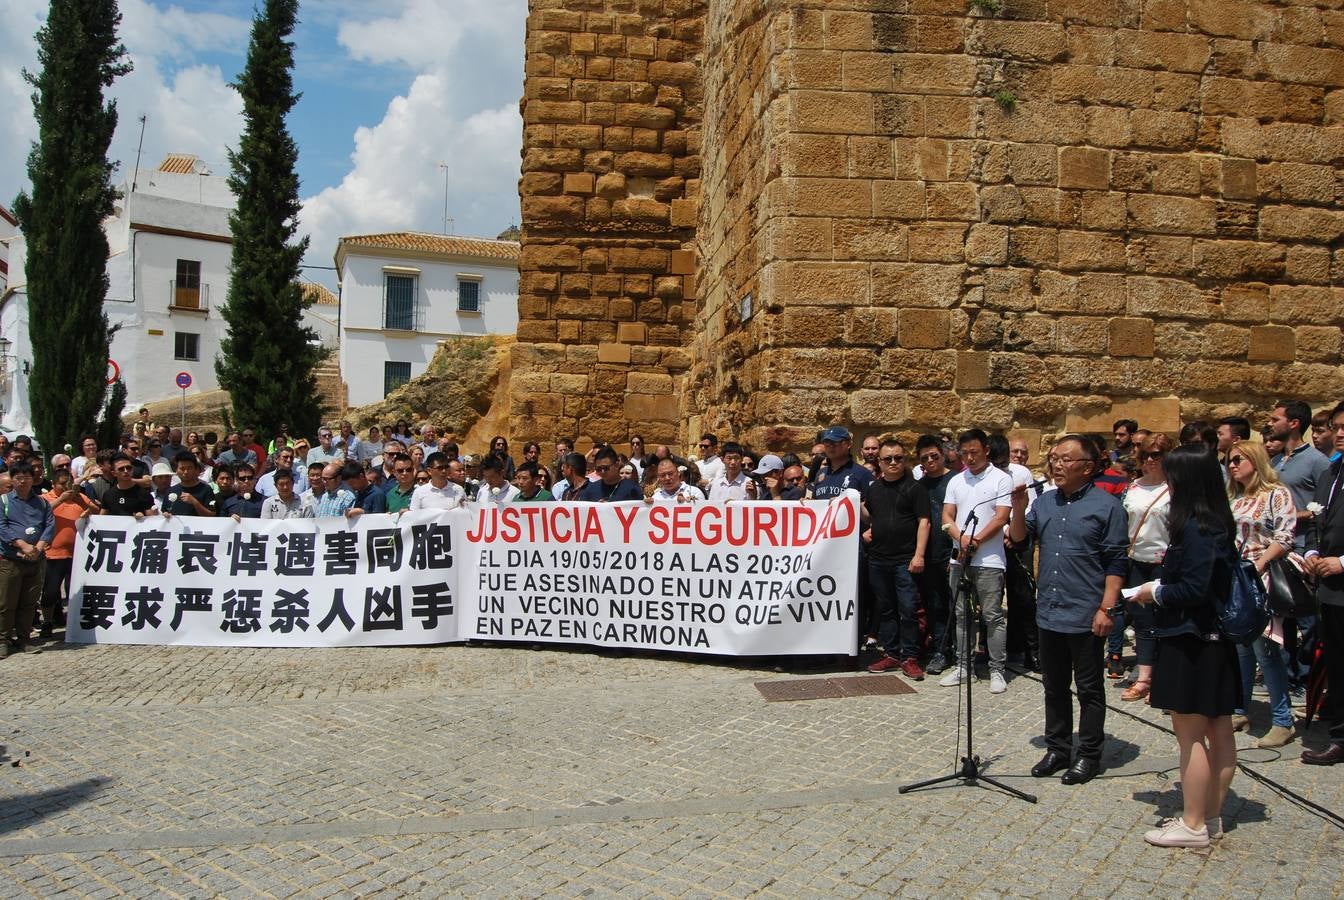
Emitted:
pixel 1244 613
pixel 1289 594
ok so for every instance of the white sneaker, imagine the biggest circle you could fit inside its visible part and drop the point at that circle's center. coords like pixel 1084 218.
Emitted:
pixel 996 683
pixel 1177 834
pixel 1213 826
pixel 954 677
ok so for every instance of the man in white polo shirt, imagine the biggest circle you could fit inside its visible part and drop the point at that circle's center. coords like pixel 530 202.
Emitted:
pixel 439 493
pixel 986 490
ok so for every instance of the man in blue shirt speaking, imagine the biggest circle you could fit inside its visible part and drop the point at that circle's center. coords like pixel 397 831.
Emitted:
pixel 1082 534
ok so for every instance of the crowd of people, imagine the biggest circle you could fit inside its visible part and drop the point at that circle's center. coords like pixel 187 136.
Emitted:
pixel 1126 531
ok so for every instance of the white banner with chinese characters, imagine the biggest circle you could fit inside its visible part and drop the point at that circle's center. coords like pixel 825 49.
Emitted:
pixel 373 581
pixel 729 579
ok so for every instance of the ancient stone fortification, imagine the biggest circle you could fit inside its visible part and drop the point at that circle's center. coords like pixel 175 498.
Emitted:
pixel 758 217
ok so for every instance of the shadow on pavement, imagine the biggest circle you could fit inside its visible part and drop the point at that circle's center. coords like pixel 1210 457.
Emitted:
pixel 25 810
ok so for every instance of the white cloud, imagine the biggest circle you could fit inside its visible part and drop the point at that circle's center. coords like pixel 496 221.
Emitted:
pixel 189 110
pixel 396 184
pixel 461 108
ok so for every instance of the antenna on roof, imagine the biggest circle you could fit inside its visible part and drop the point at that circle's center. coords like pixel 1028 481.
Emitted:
pixel 448 221
pixel 138 148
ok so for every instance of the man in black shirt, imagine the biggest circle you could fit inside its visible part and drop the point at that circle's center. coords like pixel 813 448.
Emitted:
pixel 934 587
pixel 245 503
pixel 190 497
pixel 126 498
pixel 610 486
pixel 896 539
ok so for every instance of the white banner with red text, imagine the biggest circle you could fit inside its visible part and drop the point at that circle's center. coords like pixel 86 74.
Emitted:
pixel 728 579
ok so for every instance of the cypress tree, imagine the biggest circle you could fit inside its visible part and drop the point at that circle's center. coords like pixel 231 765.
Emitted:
pixel 61 220
pixel 266 360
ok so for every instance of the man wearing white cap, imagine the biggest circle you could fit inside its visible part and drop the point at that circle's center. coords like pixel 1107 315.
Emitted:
pixel 771 473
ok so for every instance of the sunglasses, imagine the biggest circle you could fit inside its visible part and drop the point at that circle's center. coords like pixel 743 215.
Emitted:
pixel 893 459
pixel 798 480
pixel 122 469
pixel 1152 454
pixel 929 457
pixel 705 446
pixel 245 477
pixel 1235 460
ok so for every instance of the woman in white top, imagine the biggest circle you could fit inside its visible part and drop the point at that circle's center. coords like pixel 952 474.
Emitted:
pixel 1147 501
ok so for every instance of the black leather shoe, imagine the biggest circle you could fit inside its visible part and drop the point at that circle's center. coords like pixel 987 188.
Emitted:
pixel 1327 757
pixel 1082 771
pixel 1051 763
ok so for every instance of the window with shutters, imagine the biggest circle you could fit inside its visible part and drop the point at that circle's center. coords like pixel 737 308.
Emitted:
pixel 399 306
pixel 468 295
pixel 395 374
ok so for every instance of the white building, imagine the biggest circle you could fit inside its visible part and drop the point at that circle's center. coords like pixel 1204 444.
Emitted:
pixel 404 293
pixel 168 269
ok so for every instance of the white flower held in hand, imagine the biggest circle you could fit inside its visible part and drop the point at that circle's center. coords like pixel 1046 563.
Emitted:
pixel 1315 509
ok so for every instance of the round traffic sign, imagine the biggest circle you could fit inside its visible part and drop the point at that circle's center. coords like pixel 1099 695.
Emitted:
pixel 184 380
pixel 113 371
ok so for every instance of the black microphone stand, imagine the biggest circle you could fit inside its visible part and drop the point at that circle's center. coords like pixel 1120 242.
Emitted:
pixel 971 771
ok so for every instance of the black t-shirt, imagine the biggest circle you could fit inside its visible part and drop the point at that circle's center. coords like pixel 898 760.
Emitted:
pixel 135 499
pixel 940 545
pixel 179 506
pixel 895 508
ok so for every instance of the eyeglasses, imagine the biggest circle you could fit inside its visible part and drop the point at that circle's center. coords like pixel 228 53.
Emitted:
pixel 705 446
pixel 796 480
pixel 930 456
pixel 405 470
pixel 121 469
pixel 1062 460
pixel 894 459
pixel 1151 454
pixel 606 468
pixel 1235 460
pixel 439 466
pixel 245 477
pixel 62 465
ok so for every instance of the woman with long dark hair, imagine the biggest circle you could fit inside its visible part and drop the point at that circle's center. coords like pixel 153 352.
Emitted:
pixel 1195 672
pixel 500 447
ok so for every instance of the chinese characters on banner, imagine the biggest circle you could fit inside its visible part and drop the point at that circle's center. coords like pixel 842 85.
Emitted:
pixel 737 579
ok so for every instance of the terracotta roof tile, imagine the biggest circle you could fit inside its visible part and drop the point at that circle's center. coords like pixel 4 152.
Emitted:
pixel 318 293
pixel 179 164
pixel 446 244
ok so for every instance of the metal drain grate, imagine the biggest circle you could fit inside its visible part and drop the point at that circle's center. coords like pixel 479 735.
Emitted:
pixel 831 688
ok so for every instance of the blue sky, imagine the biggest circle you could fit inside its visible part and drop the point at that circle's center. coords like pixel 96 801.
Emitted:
pixel 390 90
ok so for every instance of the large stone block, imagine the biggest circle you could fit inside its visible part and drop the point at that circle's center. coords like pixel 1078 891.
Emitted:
pixel 1131 337
pixel 925 328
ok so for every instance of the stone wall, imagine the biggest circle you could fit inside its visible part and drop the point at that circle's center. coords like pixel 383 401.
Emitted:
pixel 610 198
pixel 1039 217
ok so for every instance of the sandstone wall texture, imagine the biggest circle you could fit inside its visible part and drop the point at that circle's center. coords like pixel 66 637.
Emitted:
pixel 1033 215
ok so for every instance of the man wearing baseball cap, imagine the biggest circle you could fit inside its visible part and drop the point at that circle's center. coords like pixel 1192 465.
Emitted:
pixel 839 472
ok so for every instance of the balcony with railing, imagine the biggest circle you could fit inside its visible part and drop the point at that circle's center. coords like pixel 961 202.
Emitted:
pixel 188 299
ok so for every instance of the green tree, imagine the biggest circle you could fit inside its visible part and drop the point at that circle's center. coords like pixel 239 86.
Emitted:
pixel 61 220
pixel 266 360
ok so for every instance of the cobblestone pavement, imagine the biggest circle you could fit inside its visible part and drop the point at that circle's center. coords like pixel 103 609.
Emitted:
pixel 504 771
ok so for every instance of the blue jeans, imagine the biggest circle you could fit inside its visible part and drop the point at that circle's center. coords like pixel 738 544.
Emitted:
pixel 1270 657
pixel 897 607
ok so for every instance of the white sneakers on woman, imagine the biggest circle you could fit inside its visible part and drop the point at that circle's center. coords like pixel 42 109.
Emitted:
pixel 1175 833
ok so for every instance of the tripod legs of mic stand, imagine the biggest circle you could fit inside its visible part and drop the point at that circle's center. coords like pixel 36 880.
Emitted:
pixel 970 773
pixel 971 766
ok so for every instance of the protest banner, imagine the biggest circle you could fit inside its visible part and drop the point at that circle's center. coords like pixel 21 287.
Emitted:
pixel 732 579
pixel 373 581
pixel 729 579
